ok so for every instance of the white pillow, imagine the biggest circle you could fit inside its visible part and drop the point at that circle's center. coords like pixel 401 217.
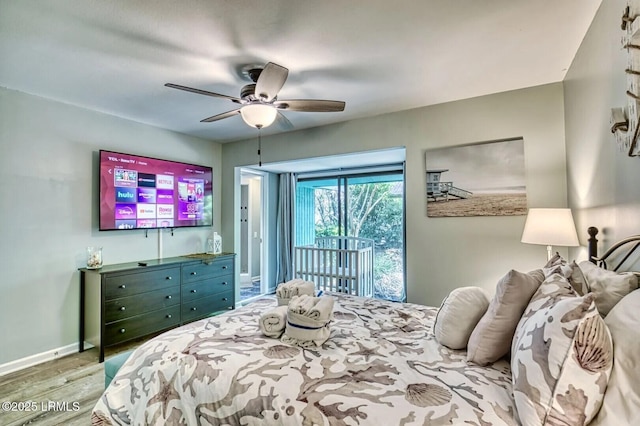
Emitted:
pixel 608 286
pixel 621 405
pixel 458 315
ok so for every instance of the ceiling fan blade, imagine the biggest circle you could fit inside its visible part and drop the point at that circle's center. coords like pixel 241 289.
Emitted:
pixel 203 92
pixel 270 82
pixel 284 121
pixel 221 116
pixel 310 105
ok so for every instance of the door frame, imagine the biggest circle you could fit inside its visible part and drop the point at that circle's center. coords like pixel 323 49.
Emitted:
pixel 264 226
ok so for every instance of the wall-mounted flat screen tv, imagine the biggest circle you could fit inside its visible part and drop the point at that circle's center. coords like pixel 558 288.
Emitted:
pixel 141 192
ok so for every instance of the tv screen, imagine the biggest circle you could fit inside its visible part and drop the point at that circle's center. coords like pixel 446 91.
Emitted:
pixel 141 192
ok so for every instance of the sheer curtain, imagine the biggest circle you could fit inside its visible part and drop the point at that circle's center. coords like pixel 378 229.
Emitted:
pixel 285 227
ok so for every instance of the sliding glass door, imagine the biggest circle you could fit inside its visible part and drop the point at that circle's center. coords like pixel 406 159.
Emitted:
pixel 366 205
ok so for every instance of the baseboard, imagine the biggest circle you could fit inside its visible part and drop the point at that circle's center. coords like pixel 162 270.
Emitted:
pixel 36 359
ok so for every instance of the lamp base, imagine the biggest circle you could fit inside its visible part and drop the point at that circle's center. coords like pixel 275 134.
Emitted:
pixel 549 252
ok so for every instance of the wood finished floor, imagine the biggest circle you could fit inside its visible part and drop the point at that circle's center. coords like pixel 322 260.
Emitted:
pixel 76 378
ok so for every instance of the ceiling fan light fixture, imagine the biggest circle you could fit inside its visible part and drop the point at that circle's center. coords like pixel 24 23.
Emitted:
pixel 258 115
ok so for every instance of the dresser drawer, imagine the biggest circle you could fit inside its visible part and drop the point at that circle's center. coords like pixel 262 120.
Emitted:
pixel 141 325
pixel 197 271
pixel 208 287
pixel 206 306
pixel 124 307
pixel 117 286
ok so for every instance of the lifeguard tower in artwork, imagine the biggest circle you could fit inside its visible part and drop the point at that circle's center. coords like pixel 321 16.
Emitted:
pixel 436 188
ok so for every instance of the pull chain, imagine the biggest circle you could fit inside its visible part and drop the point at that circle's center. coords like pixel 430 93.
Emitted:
pixel 259 147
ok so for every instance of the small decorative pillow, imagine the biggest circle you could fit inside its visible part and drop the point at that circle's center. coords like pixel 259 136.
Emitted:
pixel 608 286
pixel 562 357
pixel 458 315
pixel 491 338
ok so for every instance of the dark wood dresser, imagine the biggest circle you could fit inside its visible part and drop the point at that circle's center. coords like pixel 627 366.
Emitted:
pixel 127 301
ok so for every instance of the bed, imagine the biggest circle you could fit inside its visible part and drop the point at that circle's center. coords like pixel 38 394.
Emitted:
pixel 382 365
pixel 339 264
pixel 381 359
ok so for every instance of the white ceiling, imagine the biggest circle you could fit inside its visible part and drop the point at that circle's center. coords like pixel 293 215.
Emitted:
pixel 376 55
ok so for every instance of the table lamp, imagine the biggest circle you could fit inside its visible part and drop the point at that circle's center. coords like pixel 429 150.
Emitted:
pixel 550 227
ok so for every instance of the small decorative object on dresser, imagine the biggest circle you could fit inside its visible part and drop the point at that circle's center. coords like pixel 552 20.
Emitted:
pixel 94 257
pixel 209 247
pixel 217 243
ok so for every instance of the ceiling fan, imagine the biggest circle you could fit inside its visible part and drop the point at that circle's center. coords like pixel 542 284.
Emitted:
pixel 259 101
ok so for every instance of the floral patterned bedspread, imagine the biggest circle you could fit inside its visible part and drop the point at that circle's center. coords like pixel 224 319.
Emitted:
pixel 381 366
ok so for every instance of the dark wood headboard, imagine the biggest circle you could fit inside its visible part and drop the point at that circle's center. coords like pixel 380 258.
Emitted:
pixel 593 244
pixel 632 243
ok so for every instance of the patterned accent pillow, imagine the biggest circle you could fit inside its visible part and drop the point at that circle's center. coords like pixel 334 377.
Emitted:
pixel 458 315
pixel 562 357
pixel 558 265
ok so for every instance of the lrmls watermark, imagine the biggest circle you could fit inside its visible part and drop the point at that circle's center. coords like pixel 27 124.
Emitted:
pixel 59 406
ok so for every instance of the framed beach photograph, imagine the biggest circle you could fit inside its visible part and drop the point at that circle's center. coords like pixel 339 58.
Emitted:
pixel 483 179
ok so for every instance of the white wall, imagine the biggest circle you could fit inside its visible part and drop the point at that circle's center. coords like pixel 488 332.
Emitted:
pixel 255 232
pixel 48 194
pixel 442 253
pixel 603 183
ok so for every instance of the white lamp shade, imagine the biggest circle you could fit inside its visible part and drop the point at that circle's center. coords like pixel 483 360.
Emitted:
pixel 258 115
pixel 550 227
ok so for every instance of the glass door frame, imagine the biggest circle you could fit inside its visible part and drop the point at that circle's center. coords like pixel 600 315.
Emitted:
pixel 342 178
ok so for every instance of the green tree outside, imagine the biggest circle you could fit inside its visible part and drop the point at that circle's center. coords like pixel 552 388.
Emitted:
pixel 375 212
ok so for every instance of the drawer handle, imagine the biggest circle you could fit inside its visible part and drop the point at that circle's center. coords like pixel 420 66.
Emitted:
pixel 169 278
pixel 194 309
pixel 224 299
pixel 122 331
pixel 122 308
pixel 123 286
pixel 224 283
pixel 168 297
pixel 230 307
pixel 194 291
pixel 225 267
pixel 168 315
pixel 194 273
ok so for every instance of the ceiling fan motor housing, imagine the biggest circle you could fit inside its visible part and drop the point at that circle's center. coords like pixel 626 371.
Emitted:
pixel 247 93
pixel 254 73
